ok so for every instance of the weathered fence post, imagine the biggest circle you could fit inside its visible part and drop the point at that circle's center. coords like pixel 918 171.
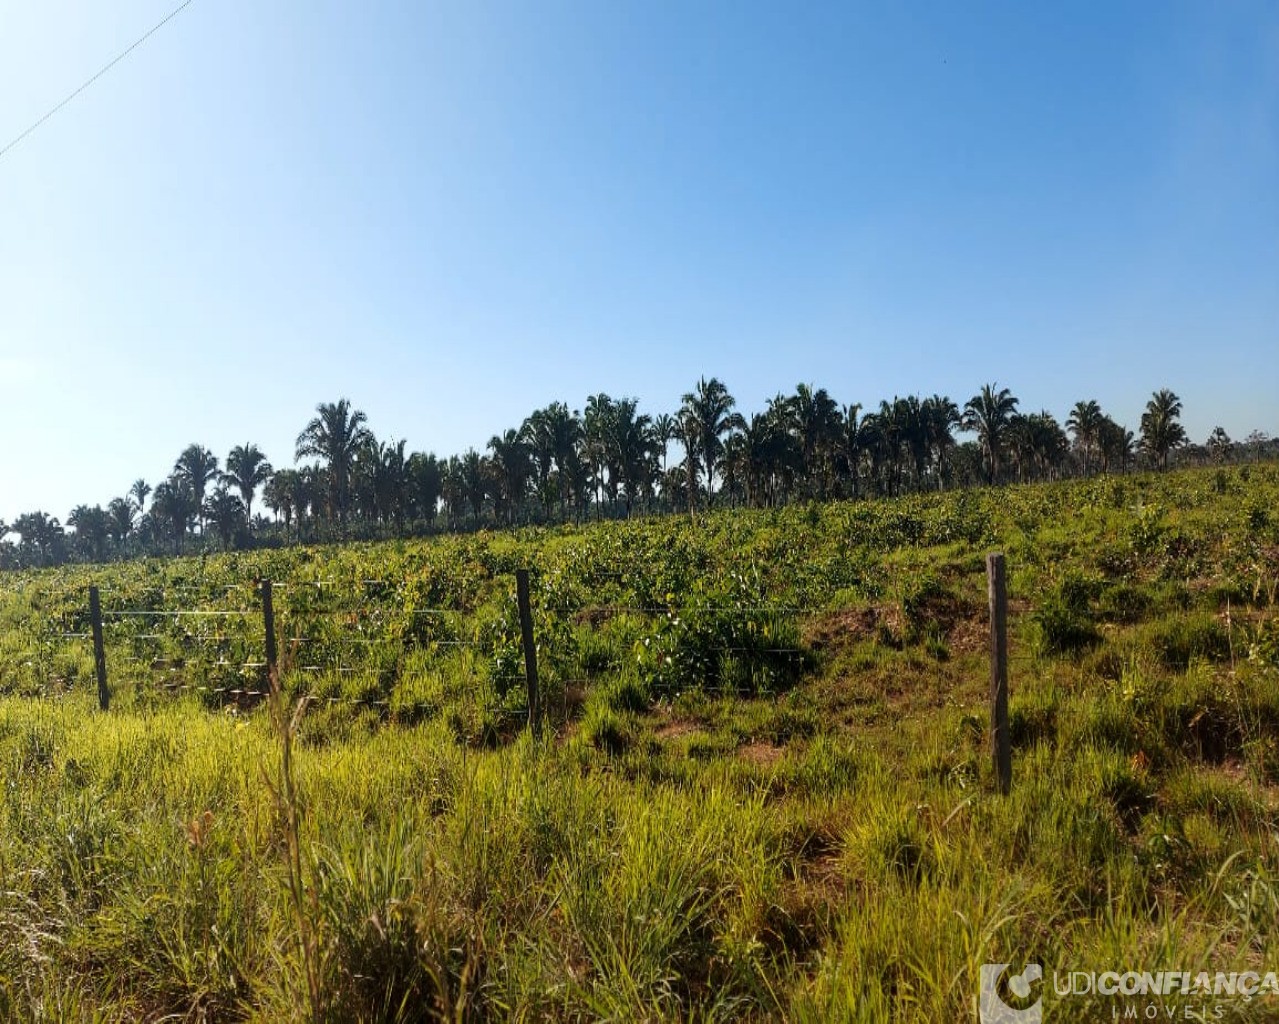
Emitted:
pixel 99 649
pixel 530 651
pixel 268 627
pixel 1001 746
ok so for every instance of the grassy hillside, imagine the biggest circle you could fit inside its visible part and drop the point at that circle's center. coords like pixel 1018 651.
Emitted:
pixel 764 792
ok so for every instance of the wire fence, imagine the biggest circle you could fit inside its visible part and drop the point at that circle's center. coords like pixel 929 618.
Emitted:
pixel 364 643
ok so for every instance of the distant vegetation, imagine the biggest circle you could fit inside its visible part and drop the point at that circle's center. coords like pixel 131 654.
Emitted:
pixel 608 461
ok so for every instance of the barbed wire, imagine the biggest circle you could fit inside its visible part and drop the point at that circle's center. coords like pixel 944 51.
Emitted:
pixel 379 624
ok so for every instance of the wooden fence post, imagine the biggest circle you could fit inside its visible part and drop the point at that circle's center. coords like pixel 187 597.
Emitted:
pixel 99 649
pixel 1001 746
pixel 268 627
pixel 530 651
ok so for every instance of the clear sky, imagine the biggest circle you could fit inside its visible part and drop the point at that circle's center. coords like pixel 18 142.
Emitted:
pixel 455 213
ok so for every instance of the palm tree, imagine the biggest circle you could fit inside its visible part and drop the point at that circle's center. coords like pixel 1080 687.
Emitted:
pixel 246 469
pixel 173 504
pixel 1115 444
pixel 426 479
pixel 334 437
pixel 987 414
pixel 227 513
pixel 883 434
pixel 941 417
pixel 92 528
pixel 40 535
pixel 553 435
pixel 1219 445
pixel 138 492
pixel 664 429
pixel 708 410
pixel 511 468
pixel 767 457
pixel 451 496
pixel 1084 422
pixel 122 513
pixel 536 434
pixel 390 482
pixel 631 450
pixel 1161 430
pixel 853 442
pixel 471 477
pixel 197 466
pixel 1036 444
pixel 596 424
pixel 686 432
pixel 814 420
pixel 278 496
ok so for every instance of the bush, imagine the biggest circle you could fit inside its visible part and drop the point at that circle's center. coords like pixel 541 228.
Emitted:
pixel 1179 641
pixel 1063 631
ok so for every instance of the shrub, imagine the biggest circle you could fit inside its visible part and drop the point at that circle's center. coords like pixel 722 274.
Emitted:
pixel 1180 640
pixel 1061 628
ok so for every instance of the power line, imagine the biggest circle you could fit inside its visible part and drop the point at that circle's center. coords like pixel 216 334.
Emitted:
pixel 102 71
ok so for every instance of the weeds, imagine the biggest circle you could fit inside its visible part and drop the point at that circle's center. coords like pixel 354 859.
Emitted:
pixel 712 832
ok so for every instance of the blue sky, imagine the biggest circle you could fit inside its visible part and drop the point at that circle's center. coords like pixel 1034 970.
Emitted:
pixel 453 214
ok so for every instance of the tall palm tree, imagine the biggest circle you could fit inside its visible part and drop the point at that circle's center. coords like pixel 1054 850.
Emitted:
pixel 173 504
pixel 853 442
pixel 686 432
pixel 426 479
pixel 596 426
pixel 197 467
pixel 471 476
pixel 1036 444
pixel 278 494
pixel 537 435
pixel 246 470
pixel 227 513
pixel 512 467
pixel 1219 445
pixel 664 428
pixel 941 417
pixel 380 480
pixel 987 414
pixel 1115 444
pixel 1084 422
pixel 1161 430
pixel 122 513
pixel 554 435
pixel 631 452
pixel 92 528
pixel 40 535
pixel 138 492
pixel 767 456
pixel 884 433
pixel 815 421
pixel 334 437
pixel 708 408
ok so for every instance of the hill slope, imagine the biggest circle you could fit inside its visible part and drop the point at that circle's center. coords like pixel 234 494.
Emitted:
pixel 765 793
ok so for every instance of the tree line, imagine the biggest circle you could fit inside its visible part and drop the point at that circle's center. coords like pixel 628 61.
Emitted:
pixel 608 460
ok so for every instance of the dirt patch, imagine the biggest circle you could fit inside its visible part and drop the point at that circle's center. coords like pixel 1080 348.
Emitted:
pixel 593 616
pixel 968 635
pixel 837 630
pixel 962 623
pixel 760 753
pixel 675 729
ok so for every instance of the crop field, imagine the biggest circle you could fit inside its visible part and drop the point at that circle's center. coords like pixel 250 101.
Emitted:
pixel 763 789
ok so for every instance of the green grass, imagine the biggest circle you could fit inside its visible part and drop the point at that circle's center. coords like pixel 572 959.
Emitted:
pixel 802 827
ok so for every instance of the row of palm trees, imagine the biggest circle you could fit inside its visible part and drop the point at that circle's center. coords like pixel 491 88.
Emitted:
pixel 606 459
